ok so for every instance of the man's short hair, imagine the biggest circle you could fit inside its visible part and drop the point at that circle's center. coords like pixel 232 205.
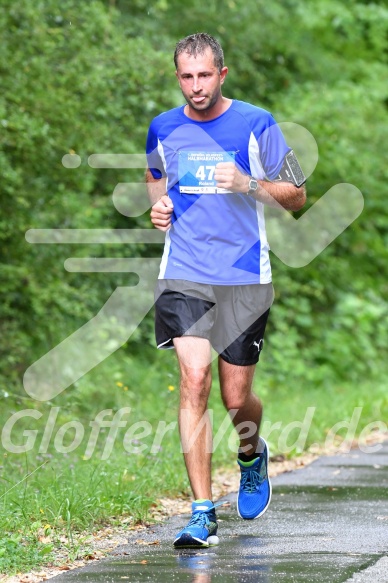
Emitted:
pixel 195 44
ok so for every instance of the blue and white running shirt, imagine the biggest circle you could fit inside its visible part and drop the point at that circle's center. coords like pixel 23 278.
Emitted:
pixel 216 237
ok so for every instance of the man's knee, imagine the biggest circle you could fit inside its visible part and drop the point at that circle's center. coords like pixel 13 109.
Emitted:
pixel 195 385
pixel 235 399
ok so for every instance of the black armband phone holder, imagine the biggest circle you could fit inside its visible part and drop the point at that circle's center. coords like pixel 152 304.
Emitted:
pixel 291 170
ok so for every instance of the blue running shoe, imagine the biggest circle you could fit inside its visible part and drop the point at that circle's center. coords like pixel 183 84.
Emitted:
pixel 202 528
pixel 254 494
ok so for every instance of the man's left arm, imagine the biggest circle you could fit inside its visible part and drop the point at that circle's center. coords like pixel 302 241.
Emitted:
pixel 286 194
pixel 272 193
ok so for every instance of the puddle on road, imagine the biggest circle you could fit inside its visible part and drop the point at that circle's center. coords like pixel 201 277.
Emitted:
pixel 232 562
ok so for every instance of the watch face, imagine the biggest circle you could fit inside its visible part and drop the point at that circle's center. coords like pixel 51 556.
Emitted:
pixel 252 184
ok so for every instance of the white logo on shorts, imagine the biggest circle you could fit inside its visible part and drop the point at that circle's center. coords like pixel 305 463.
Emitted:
pixel 259 345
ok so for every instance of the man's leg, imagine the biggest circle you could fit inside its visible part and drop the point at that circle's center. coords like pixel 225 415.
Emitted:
pixel 184 317
pixel 254 494
pixel 194 356
pixel 236 392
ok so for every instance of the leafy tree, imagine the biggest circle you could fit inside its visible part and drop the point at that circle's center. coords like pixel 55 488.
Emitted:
pixel 71 81
pixel 85 78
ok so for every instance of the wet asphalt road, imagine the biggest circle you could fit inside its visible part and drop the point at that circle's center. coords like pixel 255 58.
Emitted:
pixel 327 523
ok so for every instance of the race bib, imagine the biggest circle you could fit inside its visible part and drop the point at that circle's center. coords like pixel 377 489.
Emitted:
pixel 196 171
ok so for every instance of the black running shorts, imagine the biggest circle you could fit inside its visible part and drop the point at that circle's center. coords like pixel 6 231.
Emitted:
pixel 232 318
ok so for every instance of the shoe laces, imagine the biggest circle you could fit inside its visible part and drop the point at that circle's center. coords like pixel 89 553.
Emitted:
pixel 201 518
pixel 252 478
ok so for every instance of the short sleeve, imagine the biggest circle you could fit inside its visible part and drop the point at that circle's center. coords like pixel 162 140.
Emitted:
pixel 154 161
pixel 273 148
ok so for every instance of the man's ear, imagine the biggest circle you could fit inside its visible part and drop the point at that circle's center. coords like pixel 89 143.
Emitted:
pixel 223 74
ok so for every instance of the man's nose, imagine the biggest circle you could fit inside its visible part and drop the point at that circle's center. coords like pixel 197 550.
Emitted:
pixel 196 84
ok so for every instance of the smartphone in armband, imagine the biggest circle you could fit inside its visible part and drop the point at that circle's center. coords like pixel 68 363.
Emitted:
pixel 291 170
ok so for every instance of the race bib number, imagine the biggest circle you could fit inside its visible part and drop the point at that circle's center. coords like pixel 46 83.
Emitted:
pixel 196 171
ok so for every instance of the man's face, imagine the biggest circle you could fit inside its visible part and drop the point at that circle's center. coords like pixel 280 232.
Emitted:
pixel 200 80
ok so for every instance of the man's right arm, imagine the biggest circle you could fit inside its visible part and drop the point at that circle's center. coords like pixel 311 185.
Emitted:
pixel 162 206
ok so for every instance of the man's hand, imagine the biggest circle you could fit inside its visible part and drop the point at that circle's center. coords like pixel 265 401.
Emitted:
pixel 161 213
pixel 274 194
pixel 229 177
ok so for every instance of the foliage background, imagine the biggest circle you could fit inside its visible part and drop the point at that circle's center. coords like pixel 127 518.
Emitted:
pixel 88 78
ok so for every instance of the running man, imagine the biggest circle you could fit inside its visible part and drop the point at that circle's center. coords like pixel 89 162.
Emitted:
pixel 213 164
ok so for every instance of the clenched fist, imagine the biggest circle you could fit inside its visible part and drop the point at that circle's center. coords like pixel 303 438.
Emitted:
pixel 161 213
pixel 229 177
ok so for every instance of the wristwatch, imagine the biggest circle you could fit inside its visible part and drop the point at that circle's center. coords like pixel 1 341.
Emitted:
pixel 253 185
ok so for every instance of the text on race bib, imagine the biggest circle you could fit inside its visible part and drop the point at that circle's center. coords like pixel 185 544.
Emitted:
pixel 196 171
